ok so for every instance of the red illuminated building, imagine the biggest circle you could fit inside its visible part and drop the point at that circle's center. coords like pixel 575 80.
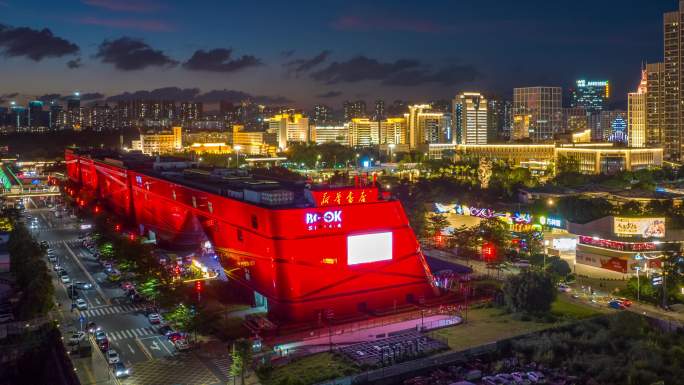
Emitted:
pixel 307 251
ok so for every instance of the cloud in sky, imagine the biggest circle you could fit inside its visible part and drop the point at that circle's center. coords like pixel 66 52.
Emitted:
pixel 300 66
pixel 361 23
pixel 220 60
pixel 34 44
pixel 329 94
pixel 129 54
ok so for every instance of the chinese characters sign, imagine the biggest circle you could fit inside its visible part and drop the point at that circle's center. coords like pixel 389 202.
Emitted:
pixel 341 197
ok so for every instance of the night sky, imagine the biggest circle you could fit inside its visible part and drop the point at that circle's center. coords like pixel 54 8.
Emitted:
pixel 305 52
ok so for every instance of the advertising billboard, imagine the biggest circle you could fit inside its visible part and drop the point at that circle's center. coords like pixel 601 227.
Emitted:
pixel 639 227
pixel 368 248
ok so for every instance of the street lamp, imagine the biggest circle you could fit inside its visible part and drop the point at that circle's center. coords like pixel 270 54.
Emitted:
pixel 318 159
pixel 237 149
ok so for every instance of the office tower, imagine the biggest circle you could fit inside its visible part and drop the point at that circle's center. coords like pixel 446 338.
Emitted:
pixel 591 95
pixel 397 108
pixel 363 132
pixel 539 108
pixel 290 128
pixel 469 112
pixel 356 109
pixel 575 119
pixel 636 114
pixel 603 124
pixel 655 104
pixel 499 120
pixel 379 113
pixel 425 126
pixel 190 112
pixel 674 84
pixel 322 114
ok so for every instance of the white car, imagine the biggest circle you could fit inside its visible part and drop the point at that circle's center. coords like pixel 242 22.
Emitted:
pixel 76 337
pixel 182 345
pixel 65 279
pixel 52 258
pixel 81 304
pixel 154 318
pixel 112 356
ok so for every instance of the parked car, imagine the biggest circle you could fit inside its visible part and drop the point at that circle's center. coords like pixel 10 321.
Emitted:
pixel 165 330
pixel 76 338
pixel 100 335
pixel 93 328
pixel 83 285
pixel 126 286
pixel 81 304
pixel 120 370
pixel 52 258
pixel 104 344
pixel 616 305
pixel 564 288
pixel 112 356
pixel 519 377
pixel 625 301
pixel 154 318
pixel 65 278
pixel 181 345
pixel 175 336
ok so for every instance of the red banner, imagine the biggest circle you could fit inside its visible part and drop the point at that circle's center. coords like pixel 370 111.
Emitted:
pixel 342 197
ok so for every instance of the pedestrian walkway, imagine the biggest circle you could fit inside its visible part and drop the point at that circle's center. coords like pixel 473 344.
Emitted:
pixel 131 333
pixel 70 242
pixel 106 310
pixel 223 365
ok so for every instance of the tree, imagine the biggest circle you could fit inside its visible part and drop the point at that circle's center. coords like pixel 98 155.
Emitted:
pixel 631 208
pixel 529 292
pixel 567 165
pixel 558 268
pixel 484 172
pixel 435 224
pixel 182 317
pixel 241 356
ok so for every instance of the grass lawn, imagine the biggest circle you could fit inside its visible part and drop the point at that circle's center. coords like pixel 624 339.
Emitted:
pixel 563 307
pixel 309 370
pixel 486 325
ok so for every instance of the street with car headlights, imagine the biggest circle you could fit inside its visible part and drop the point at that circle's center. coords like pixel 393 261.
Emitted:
pixel 147 355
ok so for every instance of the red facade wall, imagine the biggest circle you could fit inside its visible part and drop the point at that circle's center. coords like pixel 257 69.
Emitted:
pixel 300 268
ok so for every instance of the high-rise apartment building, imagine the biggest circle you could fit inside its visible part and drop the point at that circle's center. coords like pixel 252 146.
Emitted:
pixel 290 128
pixel 355 109
pixel 379 112
pixel 540 108
pixel 101 118
pixel 591 95
pixel 190 112
pixel 655 104
pixel 425 126
pixel 322 114
pixel 469 112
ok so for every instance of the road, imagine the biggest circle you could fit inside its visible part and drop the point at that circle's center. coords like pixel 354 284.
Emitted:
pixel 140 346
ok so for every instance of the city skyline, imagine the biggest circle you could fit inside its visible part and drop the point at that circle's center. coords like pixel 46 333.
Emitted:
pixel 105 49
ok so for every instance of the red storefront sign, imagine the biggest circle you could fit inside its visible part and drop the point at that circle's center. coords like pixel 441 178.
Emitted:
pixel 616 245
pixel 341 197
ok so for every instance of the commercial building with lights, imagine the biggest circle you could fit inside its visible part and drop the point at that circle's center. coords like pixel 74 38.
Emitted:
pixel 305 252
pixel 159 143
pixel 594 158
pixel 290 128
pixel 470 118
pixel 591 95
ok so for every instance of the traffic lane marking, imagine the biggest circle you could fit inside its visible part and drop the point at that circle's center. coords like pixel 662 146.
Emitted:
pixel 144 350
pixel 158 344
pixel 90 277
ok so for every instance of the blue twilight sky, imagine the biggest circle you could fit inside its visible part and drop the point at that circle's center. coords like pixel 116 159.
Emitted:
pixel 322 51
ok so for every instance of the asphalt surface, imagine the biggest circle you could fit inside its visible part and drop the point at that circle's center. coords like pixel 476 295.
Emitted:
pixel 150 356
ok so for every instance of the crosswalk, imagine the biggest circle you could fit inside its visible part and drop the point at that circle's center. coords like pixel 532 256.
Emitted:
pixel 70 242
pixel 106 310
pixel 130 333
